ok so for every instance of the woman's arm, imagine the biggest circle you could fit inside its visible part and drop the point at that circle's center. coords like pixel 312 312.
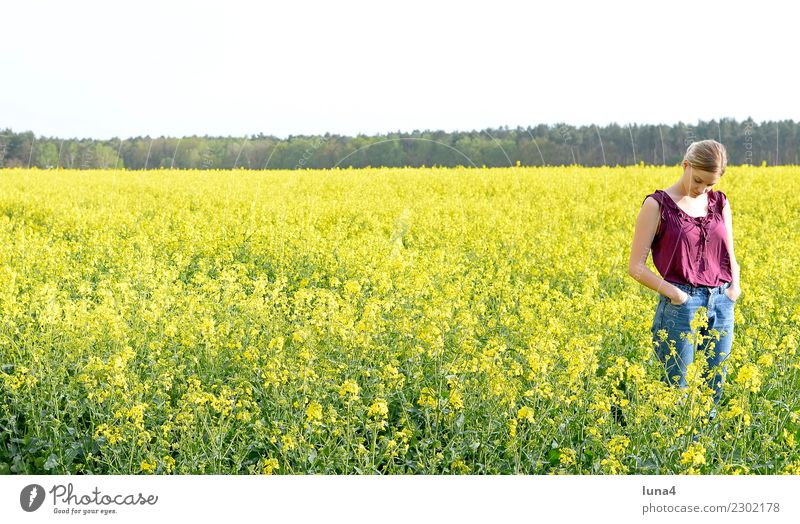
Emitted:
pixel 644 232
pixel 735 290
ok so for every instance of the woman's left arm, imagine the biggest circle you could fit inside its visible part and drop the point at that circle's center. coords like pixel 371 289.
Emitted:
pixel 734 290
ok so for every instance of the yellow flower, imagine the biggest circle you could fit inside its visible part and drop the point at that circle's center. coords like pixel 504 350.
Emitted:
pixel 567 456
pixel 459 466
pixel 456 400
pixel 766 360
pixel 735 469
pixel 617 445
pixel 735 408
pixel 288 442
pixel 525 413
pixel 791 469
pixel 352 287
pixel 21 379
pixel 695 455
pixel 427 397
pixel 148 467
pixel 277 342
pixel 379 409
pixel 299 336
pixel 269 465
pixel 112 434
pixel 512 427
pixel 168 462
pixel 749 377
pixel 613 466
pixel 788 437
pixel 136 415
pixel 349 389
pixel 314 413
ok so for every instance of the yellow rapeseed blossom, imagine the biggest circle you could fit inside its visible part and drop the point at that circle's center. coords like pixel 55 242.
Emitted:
pixel 112 434
pixel 525 413
pixel 378 409
pixel 613 466
pixel 314 413
pixel 148 466
pixel 791 469
pixel 567 456
pixel 617 445
pixel 789 438
pixel 749 377
pixel 168 462
pixel 269 465
pixel 352 287
pixel 735 469
pixel 459 466
pixel 695 455
pixel 456 400
pixel 349 390
pixel 427 398
pixel 288 442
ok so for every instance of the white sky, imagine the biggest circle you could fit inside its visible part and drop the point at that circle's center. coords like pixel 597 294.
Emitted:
pixel 104 69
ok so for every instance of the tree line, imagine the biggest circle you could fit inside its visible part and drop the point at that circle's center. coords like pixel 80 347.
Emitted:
pixel 747 142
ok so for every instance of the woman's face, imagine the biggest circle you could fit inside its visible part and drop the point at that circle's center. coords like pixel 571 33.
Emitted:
pixel 696 181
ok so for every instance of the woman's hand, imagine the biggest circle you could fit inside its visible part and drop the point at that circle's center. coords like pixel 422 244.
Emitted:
pixel 734 293
pixel 684 296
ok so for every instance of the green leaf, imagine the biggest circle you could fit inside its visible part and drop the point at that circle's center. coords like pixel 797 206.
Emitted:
pixel 52 462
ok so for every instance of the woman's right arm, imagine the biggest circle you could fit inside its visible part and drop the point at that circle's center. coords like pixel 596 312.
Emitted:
pixel 645 231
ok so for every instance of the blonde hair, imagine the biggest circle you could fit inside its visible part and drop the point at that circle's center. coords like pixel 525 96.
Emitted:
pixel 707 155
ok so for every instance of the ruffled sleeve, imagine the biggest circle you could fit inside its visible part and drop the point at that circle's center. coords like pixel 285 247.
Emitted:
pixel 674 210
pixel 721 201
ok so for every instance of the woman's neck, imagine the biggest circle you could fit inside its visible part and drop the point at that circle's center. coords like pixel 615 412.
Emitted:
pixel 680 192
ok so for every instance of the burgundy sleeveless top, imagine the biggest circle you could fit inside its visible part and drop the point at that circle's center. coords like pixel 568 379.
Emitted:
pixel 692 250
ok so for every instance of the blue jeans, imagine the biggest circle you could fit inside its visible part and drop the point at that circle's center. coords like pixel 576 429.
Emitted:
pixel 675 321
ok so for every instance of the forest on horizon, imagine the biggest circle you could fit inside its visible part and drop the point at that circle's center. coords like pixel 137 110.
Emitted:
pixel 747 143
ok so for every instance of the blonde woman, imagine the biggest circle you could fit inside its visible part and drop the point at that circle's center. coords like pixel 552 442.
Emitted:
pixel 689 229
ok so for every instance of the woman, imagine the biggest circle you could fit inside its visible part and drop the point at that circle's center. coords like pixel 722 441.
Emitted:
pixel 689 228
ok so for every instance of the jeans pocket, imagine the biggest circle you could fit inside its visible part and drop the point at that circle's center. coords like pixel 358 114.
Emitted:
pixel 724 289
pixel 673 309
pixel 682 312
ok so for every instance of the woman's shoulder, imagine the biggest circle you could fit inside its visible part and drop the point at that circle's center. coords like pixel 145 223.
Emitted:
pixel 721 199
pixel 663 199
pixel 655 196
pixel 653 205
